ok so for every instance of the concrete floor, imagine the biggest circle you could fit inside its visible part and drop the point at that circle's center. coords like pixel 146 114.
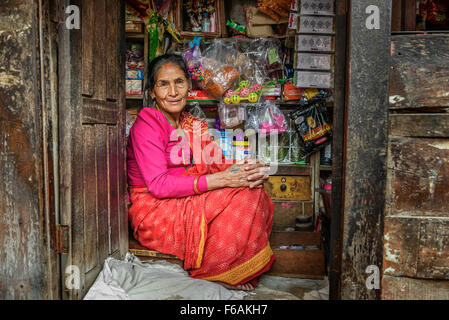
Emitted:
pixel 281 288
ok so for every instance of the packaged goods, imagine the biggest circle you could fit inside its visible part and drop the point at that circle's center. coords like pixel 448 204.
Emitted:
pixel 133 87
pixel 231 115
pixel 134 74
pixel 311 126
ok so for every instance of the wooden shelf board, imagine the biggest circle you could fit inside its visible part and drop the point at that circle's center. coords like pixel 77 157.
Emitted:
pixel 135 36
pixel 135 97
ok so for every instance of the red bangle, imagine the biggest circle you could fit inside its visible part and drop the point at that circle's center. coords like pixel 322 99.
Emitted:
pixel 195 185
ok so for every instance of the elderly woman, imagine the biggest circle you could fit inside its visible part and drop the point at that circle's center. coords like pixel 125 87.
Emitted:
pixel 216 216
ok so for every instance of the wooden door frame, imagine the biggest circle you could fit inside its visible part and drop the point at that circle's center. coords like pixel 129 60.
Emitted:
pixel 359 179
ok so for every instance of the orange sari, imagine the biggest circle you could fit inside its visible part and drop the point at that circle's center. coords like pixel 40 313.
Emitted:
pixel 221 235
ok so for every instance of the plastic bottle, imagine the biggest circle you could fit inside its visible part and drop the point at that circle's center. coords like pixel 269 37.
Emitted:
pixel 206 22
pixel 212 22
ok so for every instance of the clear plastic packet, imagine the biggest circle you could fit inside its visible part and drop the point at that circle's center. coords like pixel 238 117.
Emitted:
pixel 252 117
pixel 271 119
pixel 192 57
pixel 196 111
pixel 231 115
pixel 218 77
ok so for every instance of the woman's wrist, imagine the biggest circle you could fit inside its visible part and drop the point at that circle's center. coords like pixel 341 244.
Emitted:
pixel 216 181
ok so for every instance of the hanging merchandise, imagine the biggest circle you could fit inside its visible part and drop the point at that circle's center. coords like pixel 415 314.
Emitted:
pixel 311 126
pixel 271 119
pixel 156 22
pixel 192 57
pixel 196 111
pixel 275 8
pixel 231 115
pixel 245 92
pixel 236 29
pixel 220 63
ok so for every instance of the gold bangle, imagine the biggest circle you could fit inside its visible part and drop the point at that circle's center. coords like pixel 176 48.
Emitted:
pixel 195 185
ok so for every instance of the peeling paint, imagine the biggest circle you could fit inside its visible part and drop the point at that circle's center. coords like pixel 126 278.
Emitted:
pixel 389 270
pixel 441 145
pixel 391 255
pixel 396 99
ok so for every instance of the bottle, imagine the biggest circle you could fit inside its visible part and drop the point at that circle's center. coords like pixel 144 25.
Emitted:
pixel 206 23
pixel 212 22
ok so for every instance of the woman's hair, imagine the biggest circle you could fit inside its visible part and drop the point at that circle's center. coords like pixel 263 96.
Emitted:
pixel 158 62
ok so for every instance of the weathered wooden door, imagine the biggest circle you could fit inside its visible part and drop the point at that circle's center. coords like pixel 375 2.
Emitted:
pixel 91 121
pixel 416 240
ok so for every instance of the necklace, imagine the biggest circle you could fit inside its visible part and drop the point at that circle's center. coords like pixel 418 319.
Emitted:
pixel 182 150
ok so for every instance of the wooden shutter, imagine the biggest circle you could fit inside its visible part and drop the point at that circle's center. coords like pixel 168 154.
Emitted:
pixel 92 117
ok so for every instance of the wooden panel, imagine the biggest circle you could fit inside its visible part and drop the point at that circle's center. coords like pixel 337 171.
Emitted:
pixel 434 249
pixel 396 12
pixel 24 261
pixel 420 72
pixel 409 15
pixel 292 170
pixel 87 27
pixel 295 238
pixel 401 246
pixel 101 153
pixel 416 247
pixel 402 288
pixel 113 179
pixel 296 188
pixel 97 111
pixel 112 62
pixel 418 177
pixel 419 125
pixel 90 199
pixel 285 212
pixel 100 49
pixel 297 263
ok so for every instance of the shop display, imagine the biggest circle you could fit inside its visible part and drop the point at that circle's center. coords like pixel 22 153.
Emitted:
pixel 201 14
pixel 217 77
pixel 271 119
pixel 311 126
pixel 315 24
pixel 133 87
pixel 192 58
pixel 314 61
pixel 318 7
pixel 274 8
pixel 311 79
pixel 235 27
pixel 244 92
pixel 317 43
pixel 231 115
pixel 199 95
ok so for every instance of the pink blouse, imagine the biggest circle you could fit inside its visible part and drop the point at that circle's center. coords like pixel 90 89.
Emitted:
pixel 148 158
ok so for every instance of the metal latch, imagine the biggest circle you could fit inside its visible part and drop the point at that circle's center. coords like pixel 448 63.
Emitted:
pixel 62 239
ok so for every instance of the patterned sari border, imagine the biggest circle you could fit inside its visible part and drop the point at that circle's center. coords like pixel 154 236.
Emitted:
pixel 246 269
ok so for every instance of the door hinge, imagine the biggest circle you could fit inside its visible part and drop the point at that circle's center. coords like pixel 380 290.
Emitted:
pixel 62 239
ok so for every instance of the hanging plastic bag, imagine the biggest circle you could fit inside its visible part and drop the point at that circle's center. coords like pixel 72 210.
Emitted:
pixel 231 115
pixel 192 57
pixel 196 111
pixel 310 124
pixel 271 119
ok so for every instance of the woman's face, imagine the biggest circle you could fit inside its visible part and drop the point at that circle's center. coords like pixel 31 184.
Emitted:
pixel 171 88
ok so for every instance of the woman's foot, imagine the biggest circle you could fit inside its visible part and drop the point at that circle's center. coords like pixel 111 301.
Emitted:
pixel 244 287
